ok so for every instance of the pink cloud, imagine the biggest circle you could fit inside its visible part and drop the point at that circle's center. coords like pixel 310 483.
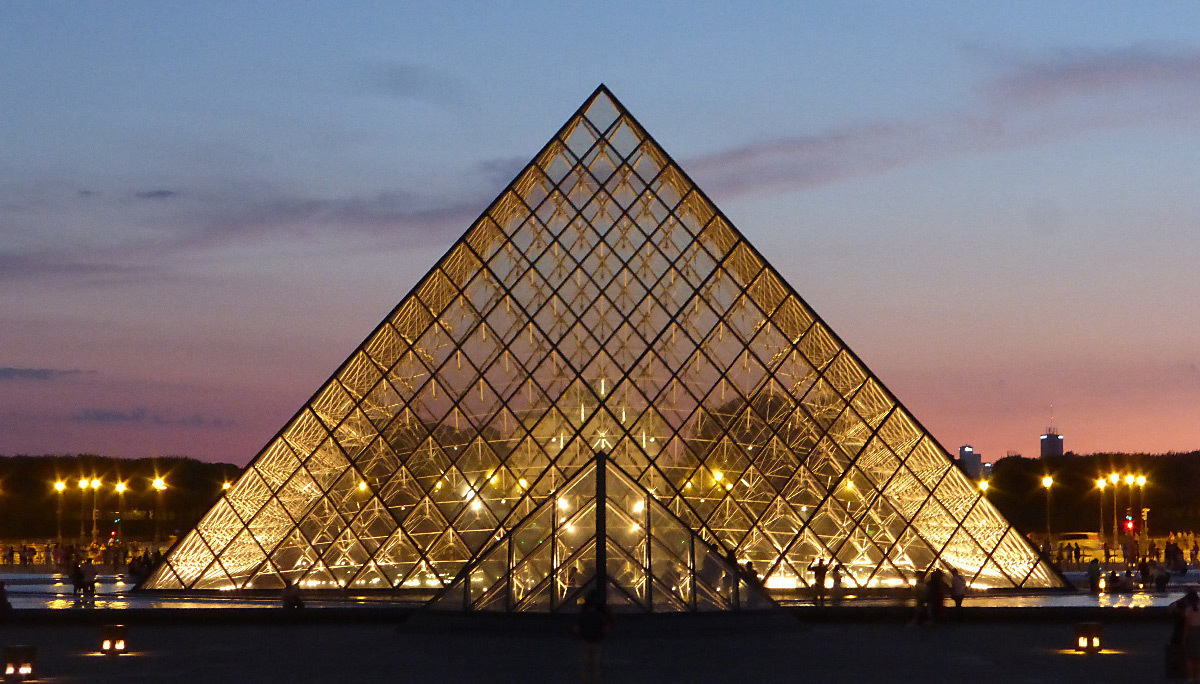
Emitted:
pixel 1035 102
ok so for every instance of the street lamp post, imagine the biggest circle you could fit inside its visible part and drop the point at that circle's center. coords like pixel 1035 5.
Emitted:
pixel 1047 482
pixel 159 485
pixel 1141 484
pixel 120 511
pixel 60 487
pixel 1129 481
pixel 1115 480
pixel 983 487
pixel 84 483
pixel 95 511
pixel 1101 484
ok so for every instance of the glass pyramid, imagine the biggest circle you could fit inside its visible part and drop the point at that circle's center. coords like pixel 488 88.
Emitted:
pixel 601 303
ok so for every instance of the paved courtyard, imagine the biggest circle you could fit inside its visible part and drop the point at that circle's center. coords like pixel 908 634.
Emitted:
pixel 717 649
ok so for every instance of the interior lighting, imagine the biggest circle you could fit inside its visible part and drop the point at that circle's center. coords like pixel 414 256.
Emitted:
pixel 781 582
pixel 718 476
pixel 362 486
pixel 639 506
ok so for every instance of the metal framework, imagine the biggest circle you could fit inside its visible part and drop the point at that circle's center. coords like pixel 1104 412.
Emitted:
pixel 601 303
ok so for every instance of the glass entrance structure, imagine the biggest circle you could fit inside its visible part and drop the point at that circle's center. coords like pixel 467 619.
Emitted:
pixel 600 305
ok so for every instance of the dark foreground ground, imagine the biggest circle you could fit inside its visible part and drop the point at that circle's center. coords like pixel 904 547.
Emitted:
pixel 855 648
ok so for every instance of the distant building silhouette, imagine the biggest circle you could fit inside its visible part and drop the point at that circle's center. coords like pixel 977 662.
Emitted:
pixel 1052 443
pixel 970 462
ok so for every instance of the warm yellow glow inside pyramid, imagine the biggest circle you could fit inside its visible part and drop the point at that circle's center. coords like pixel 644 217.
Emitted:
pixel 601 303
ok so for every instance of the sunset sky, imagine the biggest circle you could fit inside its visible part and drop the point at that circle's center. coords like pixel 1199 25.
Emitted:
pixel 205 207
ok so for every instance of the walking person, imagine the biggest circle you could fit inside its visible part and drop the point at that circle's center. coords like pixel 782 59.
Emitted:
pixel 920 606
pixel 1093 575
pixel 77 578
pixel 819 568
pixel 594 623
pixel 1187 610
pixel 89 579
pixel 935 595
pixel 290 598
pixel 958 591
pixel 836 572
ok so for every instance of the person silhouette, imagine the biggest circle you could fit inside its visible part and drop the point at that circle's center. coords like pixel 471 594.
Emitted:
pixel 819 569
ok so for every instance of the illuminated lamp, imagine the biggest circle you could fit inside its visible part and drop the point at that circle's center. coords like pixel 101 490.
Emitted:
pixel 1087 637
pixel 19 663
pixel 113 640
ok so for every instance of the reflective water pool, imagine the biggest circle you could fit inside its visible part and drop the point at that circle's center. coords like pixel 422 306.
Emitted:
pixel 55 591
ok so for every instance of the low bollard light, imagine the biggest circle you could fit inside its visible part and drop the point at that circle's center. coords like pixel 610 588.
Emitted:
pixel 1087 637
pixel 113 640
pixel 19 663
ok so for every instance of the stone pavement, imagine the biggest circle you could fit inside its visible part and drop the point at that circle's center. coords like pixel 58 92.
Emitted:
pixel 719 649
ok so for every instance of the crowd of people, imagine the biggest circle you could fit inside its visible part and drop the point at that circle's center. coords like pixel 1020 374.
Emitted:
pixel 135 560
pixel 1178 553
pixel 931 591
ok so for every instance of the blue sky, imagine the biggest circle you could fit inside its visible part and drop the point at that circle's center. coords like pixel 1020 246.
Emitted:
pixel 204 207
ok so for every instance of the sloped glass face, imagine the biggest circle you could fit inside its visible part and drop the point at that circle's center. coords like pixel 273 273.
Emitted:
pixel 652 561
pixel 601 303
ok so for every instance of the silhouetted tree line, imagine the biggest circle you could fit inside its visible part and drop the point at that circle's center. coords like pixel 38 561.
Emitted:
pixel 1170 491
pixel 29 503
